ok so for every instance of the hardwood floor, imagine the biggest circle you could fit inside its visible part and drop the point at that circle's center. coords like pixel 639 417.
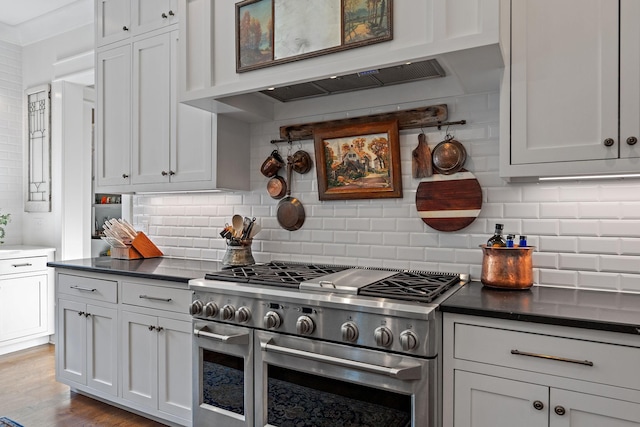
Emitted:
pixel 30 395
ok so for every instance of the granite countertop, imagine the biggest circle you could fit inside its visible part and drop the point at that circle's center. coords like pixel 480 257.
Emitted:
pixel 171 269
pixel 608 311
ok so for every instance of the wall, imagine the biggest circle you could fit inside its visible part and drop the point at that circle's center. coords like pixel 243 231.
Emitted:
pixel 587 234
pixel 11 139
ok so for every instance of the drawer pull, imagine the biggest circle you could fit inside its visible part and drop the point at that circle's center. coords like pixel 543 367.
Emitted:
pixel 155 298
pixel 26 264
pixel 78 288
pixel 546 356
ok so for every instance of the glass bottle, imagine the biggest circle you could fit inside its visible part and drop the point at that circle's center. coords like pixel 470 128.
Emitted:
pixel 497 240
pixel 523 241
pixel 510 238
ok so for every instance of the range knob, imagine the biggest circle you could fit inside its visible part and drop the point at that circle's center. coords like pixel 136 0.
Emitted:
pixel 349 332
pixel 211 309
pixel 409 340
pixel 195 308
pixel 305 325
pixel 243 314
pixel 272 320
pixel 383 336
pixel 228 312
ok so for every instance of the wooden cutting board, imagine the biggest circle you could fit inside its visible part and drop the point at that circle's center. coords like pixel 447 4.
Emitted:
pixel 449 202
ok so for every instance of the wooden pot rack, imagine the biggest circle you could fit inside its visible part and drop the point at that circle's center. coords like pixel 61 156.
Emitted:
pixel 432 116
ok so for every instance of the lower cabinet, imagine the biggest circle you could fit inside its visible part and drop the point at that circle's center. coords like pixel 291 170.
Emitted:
pixel 502 373
pixel 126 342
pixel 87 350
pixel 156 363
pixel 486 401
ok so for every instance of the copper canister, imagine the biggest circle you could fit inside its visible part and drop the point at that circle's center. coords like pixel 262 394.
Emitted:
pixel 507 268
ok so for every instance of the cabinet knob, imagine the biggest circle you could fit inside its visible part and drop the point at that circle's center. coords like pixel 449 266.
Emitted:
pixel 125 28
pixel 608 142
pixel 164 15
pixel 559 410
pixel 538 405
pixel 151 327
pixel 171 13
pixel 125 176
pixel 81 313
pixel 632 140
pixel 164 173
pixel 172 173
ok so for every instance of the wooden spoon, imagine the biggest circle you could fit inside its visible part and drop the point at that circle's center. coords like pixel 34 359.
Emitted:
pixel 237 222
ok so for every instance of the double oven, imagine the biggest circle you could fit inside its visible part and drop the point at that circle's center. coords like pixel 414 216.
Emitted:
pixel 286 344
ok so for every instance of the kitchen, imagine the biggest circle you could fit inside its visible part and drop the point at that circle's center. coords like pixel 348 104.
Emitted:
pixel 585 231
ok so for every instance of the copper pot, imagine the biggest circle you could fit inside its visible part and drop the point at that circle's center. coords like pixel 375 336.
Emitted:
pixel 507 268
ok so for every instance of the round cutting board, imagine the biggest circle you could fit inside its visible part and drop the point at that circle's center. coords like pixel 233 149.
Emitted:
pixel 449 202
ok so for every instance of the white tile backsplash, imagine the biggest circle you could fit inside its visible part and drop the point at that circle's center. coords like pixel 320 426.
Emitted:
pixel 579 228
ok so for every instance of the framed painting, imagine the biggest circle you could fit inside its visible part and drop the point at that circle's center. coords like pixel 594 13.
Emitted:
pixel 360 161
pixel 271 32
pixel 254 33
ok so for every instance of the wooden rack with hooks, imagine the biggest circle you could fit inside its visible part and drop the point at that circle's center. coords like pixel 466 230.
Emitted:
pixel 431 116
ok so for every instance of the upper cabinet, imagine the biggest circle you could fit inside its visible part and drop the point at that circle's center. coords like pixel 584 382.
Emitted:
pixel 422 29
pixel 120 19
pixel 570 101
pixel 146 140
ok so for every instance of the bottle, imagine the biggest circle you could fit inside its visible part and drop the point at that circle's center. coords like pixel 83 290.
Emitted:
pixel 523 241
pixel 510 238
pixel 497 240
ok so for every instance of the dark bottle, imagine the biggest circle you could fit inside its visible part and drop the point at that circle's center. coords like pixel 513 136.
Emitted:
pixel 523 241
pixel 497 240
pixel 510 238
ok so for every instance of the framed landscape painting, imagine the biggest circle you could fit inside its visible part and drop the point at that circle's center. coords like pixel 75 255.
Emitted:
pixel 271 32
pixel 359 161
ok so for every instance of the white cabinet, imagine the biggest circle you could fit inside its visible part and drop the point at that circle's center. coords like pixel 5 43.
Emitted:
pixel 126 342
pixel 26 302
pixel 564 91
pixel 113 124
pixel 506 373
pixel 87 349
pixel 118 20
pixel 156 367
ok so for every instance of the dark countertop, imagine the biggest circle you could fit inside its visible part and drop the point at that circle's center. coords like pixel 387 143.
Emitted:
pixel 171 269
pixel 607 311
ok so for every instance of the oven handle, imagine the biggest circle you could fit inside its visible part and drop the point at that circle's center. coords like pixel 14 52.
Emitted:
pixel 413 372
pixel 229 339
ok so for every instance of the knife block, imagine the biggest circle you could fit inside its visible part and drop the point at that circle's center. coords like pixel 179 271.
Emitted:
pixel 141 247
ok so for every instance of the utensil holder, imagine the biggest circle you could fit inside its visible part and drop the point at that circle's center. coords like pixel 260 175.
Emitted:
pixel 507 268
pixel 238 252
pixel 141 247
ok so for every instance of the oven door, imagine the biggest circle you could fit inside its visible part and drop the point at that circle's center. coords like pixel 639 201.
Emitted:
pixel 302 382
pixel 223 375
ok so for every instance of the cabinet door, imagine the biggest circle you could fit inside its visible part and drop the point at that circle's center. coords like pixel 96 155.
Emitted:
pixel 102 349
pixel 571 409
pixel 564 80
pixel 149 15
pixel 71 345
pixel 629 78
pixel 151 109
pixel 140 359
pixel 191 143
pixel 113 21
pixel 174 367
pixel 114 117
pixel 23 307
pixel 485 401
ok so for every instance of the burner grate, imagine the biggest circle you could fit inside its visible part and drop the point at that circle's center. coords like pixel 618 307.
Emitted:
pixel 276 273
pixel 412 286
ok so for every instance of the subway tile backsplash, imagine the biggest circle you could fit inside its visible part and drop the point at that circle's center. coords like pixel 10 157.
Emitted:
pixel 587 234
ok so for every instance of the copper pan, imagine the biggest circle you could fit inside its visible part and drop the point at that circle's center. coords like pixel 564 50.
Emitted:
pixel 277 187
pixel 507 268
pixel 290 212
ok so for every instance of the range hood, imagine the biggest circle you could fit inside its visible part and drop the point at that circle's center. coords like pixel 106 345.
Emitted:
pixel 369 79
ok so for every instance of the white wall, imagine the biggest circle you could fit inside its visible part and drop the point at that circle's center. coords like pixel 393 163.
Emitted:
pixel 42 62
pixel 11 112
pixel 587 234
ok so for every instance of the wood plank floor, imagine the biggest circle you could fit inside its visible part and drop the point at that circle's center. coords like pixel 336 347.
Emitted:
pixel 30 395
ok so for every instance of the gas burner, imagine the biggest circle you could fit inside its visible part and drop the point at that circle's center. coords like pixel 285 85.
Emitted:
pixel 418 286
pixel 275 273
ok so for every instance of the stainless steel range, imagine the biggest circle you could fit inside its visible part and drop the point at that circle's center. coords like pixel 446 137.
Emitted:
pixel 284 343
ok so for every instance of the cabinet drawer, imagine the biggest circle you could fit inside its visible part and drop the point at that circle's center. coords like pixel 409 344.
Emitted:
pixel 86 287
pixel 559 356
pixel 23 264
pixel 159 297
